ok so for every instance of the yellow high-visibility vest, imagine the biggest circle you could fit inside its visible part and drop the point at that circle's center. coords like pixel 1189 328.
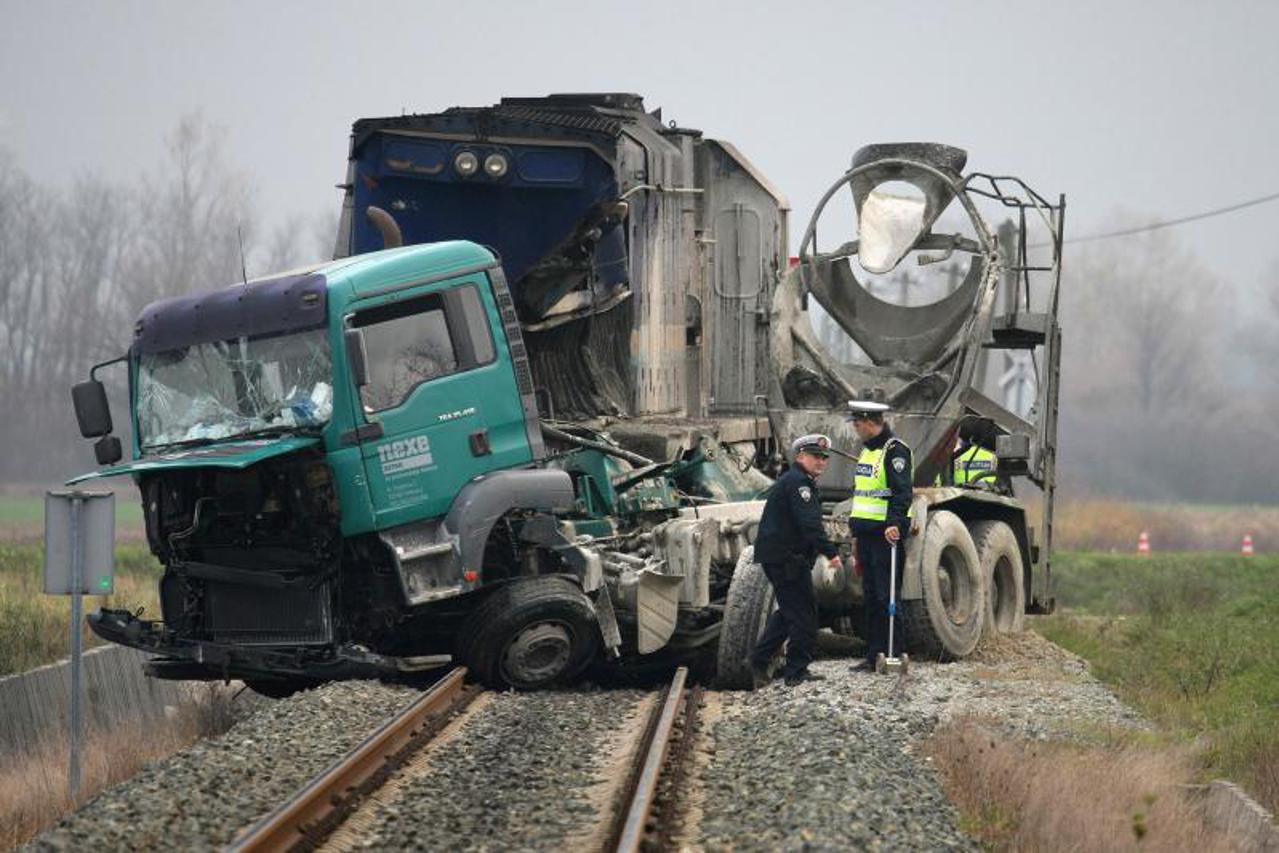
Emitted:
pixel 972 463
pixel 870 483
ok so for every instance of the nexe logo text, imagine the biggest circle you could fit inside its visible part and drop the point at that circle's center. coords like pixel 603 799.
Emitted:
pixel 405 454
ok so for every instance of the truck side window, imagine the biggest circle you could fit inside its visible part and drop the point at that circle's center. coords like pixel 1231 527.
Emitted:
pixel 420 339
pixel 408 343
pixel 477 323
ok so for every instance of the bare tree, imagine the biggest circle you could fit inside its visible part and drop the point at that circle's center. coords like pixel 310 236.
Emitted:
pixel 1149 314
pixel 25 275
pixel 195 219
pixel 77 264
pixel 1147 331
pixel 284 251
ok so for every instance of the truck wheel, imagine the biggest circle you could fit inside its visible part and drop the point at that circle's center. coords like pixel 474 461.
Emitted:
pixel 947 621
pixel 746 611
pixel 1001 569
pixel 530 634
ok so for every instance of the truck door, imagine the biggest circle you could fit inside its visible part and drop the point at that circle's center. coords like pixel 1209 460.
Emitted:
pixel 442 389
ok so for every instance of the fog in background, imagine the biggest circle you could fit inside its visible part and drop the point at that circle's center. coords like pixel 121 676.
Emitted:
pixel 143 144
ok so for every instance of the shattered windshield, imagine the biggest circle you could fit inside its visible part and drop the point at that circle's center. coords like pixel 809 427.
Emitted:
pixel 237 387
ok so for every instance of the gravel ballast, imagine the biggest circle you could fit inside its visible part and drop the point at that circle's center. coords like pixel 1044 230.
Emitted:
pixel 832 764
pixel 827 765
pixel 199 798
pixel 520 775
pixel 814 767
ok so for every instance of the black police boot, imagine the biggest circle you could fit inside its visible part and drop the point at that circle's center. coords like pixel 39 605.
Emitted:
pixel 800 678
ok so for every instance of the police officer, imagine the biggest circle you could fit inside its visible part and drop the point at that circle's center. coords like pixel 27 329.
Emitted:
pixel 791 536
pixel 880 518
pixel 973 463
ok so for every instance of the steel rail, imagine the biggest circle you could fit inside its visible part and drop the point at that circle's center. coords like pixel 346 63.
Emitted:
pixel 299 821
pixel 642 799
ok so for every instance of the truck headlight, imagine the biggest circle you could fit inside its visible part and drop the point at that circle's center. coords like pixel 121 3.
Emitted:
pixel 465 163
pixel 495 165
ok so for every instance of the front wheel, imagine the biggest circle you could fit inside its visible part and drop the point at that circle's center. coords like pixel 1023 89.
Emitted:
pixel 531 634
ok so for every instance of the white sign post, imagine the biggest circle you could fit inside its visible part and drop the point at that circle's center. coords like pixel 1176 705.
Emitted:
pixel 79 559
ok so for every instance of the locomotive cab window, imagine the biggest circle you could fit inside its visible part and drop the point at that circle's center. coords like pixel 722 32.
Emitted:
pixel 420 339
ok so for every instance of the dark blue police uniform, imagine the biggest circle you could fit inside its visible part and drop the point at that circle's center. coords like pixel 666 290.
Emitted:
pixel 874 552
pixel 791 535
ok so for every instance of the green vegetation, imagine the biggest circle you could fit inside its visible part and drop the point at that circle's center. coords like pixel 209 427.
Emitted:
pixel 34 626
pixel 22 517
pixel 1189 639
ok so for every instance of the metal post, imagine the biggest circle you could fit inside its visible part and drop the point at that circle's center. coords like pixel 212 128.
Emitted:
pixel 892 595
pixel 77 645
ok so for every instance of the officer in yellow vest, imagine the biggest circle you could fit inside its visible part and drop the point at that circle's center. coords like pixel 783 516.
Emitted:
pixel 880 518
pixel 974 464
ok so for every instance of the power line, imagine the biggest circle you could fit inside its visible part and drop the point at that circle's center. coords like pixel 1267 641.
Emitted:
pixel 1154 226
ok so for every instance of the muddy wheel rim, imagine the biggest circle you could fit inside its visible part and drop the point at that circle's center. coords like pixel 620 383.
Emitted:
pixel 538 654
pixel 956 588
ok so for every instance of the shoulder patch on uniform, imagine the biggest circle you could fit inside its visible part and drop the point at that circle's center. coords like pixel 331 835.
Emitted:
pixel 899 464
pixel 805 493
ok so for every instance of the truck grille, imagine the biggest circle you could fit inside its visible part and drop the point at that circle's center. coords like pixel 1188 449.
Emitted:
pixel 250 615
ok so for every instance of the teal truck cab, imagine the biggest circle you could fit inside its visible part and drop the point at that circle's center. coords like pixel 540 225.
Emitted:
pixel 344 474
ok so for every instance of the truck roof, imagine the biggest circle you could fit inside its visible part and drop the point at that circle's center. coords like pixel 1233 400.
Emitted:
pixel 374 270
pixel 296 299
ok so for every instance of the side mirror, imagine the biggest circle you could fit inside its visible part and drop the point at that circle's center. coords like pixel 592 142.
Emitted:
pixel 108 450
pixel 91 408
pixel 358 357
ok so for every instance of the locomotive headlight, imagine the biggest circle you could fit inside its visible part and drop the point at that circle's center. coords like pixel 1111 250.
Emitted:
pixel 495 165
pixel 465 163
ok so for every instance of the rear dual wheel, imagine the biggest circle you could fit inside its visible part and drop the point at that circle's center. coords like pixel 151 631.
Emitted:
pixel 1004 576
pixel 947 621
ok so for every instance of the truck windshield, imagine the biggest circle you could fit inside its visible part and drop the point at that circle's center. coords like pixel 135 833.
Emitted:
pixel 231 388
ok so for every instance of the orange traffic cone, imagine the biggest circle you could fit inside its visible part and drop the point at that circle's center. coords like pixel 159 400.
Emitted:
pixel 1246 548
pixel 1143 545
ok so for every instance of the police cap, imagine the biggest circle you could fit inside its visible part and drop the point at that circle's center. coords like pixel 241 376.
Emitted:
pixel 872 401
pixel 817 444
pixel 861 408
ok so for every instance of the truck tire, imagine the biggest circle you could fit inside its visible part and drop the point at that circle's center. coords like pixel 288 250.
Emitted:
pixel 750 602
pixel 530 634
pixel 947 622
pixel 1002 570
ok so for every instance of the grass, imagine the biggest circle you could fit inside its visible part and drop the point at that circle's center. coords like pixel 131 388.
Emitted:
pixel 1101 525
pixel 1020 795
pixel 34 631
pixel 34 789
pixel 22 515
pixel 34 627
pixel 1192 642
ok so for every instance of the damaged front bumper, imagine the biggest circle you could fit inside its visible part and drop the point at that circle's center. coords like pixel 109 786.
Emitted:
pixel 202 660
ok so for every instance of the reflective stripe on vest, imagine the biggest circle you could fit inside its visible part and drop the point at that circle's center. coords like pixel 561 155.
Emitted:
pixel 972 463
pixel 870 484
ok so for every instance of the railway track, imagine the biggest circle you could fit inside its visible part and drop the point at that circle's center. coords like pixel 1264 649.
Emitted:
pixel 644 803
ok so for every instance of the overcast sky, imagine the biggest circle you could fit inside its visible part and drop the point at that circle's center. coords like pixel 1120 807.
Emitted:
pixel 1159 110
